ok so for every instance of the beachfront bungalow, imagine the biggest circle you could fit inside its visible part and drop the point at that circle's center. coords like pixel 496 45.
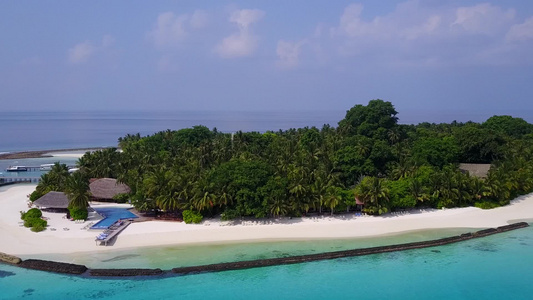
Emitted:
pixel 477 170
pixel 359 204
pixel 104 189
pixel 53 201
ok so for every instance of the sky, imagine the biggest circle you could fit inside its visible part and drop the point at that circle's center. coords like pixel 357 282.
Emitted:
pixel 425 56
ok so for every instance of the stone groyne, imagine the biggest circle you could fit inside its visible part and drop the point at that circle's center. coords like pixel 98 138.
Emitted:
pixel 345 253
pixel 59 267
pixel 53 266
pixel 124 272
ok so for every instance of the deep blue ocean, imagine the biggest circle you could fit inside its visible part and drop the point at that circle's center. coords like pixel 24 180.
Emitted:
pixel 66 130
pixel 497 267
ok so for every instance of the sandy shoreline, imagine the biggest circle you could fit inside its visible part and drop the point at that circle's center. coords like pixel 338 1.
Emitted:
pixel 18 240
pixel 76 153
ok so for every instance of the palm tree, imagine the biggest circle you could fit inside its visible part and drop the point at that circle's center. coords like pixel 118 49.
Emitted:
pixel 77 191
pixel 332 198
pixel 477 187
pixel 278 207
pixel 417 190
pixel 373 192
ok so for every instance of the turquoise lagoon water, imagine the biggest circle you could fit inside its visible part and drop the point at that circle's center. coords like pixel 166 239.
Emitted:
pixel 496 267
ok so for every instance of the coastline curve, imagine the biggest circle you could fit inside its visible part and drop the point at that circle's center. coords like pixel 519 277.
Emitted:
pixel 73 269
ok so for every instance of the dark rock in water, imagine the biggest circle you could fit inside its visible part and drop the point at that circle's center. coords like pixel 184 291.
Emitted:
pixel 100 295
pixel 524 244
pixel 436 251
pixel 485 247
pixel 52 266
pixel 125 272
pixel 28 292
pixel 5 274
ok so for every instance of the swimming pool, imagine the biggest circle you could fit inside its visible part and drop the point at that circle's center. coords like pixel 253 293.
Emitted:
pixel 111 215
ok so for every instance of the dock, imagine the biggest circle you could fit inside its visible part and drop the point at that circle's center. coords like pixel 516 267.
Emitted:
pixel 113 231
pixel 13 179
pixel 27 169
pixel 45 167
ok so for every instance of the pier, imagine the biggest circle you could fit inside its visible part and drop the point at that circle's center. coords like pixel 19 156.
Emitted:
pixel 113 231
pixel 17 179
pixel 45 167
pixel 25 169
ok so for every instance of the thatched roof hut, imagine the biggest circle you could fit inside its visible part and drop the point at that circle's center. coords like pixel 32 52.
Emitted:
pixel 478 170
pixel 107 188
pixel 53 200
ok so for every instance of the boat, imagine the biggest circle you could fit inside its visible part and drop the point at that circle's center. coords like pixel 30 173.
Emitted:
pixel 16 169
pixel 46 167
pixel 72 170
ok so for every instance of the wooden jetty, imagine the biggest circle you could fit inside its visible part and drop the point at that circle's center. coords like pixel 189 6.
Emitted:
pixel 113 231
pixel 24 169
pixel 19 179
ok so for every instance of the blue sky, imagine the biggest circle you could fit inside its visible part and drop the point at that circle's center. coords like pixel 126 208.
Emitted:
pixel 424 56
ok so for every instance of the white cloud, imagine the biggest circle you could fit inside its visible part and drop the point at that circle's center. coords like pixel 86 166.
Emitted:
pixel 199 19
pixel 521 32
pixel 430 35
pixel 289 53
pixel 245 17
pixel 81 52
pixel 406 22
pixel 483 18
pixel 244 42
pixel 350 23
pixel 169 30
pixel 237 45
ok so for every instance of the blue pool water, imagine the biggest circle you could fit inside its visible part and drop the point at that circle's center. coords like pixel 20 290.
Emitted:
pixel 495 267
pixel 111 215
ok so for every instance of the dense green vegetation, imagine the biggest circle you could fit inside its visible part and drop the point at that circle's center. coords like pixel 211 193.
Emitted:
pixel 309 170
pixel 32 219
pixel 75 186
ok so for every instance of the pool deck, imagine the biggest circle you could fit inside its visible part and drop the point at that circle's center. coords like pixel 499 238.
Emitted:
pixel 113 231
pixel 106 217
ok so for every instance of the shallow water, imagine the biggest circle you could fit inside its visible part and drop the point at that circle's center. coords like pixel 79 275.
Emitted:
pixel 496 267
pixel 168 257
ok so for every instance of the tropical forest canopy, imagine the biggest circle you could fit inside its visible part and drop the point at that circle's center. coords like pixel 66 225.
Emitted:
pixel 388 166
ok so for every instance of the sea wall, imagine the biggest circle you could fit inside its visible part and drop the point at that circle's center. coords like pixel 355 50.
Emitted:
pixel 53 266
pixel 59 267
pixel 346 253
pixel 124 272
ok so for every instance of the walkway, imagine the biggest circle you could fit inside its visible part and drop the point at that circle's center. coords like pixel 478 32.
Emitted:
pixel 113 231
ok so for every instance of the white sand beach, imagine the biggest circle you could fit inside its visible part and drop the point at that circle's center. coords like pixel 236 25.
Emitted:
pixel 69 153
pixel 64 236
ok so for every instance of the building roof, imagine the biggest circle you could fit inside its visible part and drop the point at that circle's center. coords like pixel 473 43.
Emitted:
pixel 478 170
pixel 52 200
pixel 107 188
pixel 358 202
